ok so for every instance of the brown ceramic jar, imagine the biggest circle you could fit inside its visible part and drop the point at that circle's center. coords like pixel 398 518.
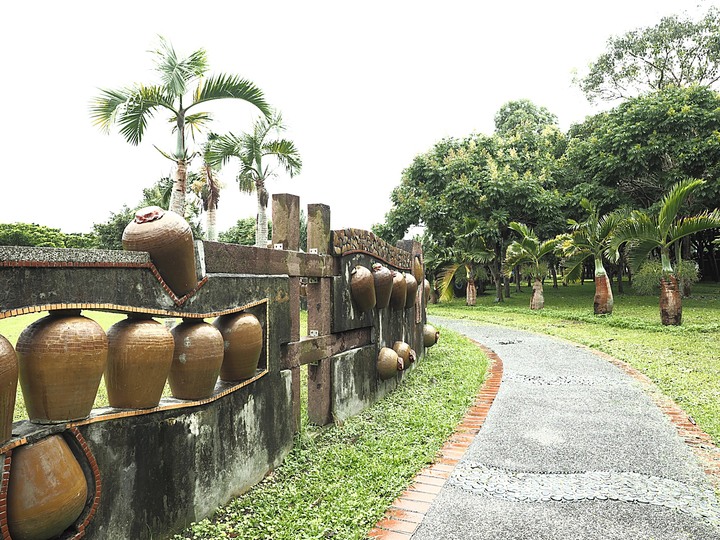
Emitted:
pixel 47 490
pixel 140 352
pixel 426 291
pixel 430 335
pixel 404 352
pixel 383 281
pixel 8 388
pixel 168 239
pixel 61 359
pixel 412 288
pixel 388 364
pixel 242 341
pixel 362 288
pixel 399 291
pixel 417 269
pixel 197 359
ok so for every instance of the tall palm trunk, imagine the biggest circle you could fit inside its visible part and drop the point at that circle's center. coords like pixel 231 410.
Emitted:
pixel 603 301
pixel 177 201
pixel 670 301
pixel 537 299
pixel 261 230
pixel 211 222
pixel 470 293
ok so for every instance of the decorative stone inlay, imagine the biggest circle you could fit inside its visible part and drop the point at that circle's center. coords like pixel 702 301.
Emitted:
pixel 561 380
pixel 585 486
pixel 354 240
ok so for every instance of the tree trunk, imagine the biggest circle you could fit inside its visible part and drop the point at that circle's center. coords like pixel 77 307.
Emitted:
pixel 603 301
pixel 211 223
pixel 495 272
pixel 553 272
pixel 537 299
pixel 670 302
pixel 516 271
pixel 177 200
pixel 261 230
pixel 506 282
pixel 470 293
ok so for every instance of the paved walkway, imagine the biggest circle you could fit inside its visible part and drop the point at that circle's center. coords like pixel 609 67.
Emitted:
pixel 571 448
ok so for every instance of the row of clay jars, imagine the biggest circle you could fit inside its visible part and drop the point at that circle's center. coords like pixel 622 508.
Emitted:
pixel 382 288
pixel 390 361
pixel 8 388
pixel 63 356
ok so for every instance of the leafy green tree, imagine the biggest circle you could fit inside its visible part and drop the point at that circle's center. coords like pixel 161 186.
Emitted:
pixel 183 86
pixel 645 233
pixel 34 235
pixel 591 239
pixel 533 253
pixel 243 232
pixel 469 251
pixel 254 151
pixel 678 51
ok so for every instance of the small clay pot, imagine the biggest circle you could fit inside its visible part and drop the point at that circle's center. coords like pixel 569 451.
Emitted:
pixel 61 359
pixel 140 352
pixel 47 490
pixel 383 280
pixel 168 239
pixel 197 359
pixel 399 291
pixel 430 335
pixel 388 364
pixel 426 291
pixel 417 269
pixel 242 341
pixel 362 288
pixel 412 288
pixel 404 351
pixel 8 388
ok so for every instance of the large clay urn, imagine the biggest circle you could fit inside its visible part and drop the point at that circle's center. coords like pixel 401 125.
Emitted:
pixel 405 353
pixel 388 364
pixel 362 288
pixel 47 490
pixel 61 359
pixel 411 292
pixel 417 269
pixel 8 388
pixel 670 301
pixel 383 280
pixel 399 291
pixel 242 341
pixel 140 352
pixel 197 359
pixel 168 239
pixel 426 291
pixel 430 335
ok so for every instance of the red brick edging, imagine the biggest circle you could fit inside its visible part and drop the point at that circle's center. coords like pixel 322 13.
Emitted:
pixel 408 510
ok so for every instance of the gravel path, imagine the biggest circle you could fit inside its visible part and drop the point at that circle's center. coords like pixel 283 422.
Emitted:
pixel 571 449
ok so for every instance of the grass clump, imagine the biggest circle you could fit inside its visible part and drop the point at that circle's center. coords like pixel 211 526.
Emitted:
pixel 338 481
pixel 684 361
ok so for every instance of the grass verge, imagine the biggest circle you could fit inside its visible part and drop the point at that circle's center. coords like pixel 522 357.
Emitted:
pixel 683 361
pixel 337 482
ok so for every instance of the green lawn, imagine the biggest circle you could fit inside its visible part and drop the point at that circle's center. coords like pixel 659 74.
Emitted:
pixel 683 361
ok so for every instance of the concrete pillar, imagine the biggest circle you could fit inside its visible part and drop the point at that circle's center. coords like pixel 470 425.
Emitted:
pixel 318 228
pixel 286 221
pixel 319 401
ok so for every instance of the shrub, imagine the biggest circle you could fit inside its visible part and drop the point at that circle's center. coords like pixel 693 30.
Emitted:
pixel 647 280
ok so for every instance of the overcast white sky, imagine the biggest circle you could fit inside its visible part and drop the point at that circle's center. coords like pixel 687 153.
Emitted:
pixel 363 87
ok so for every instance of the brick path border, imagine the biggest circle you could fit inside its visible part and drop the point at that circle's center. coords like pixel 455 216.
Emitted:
pixel 408 510
pixel 406 513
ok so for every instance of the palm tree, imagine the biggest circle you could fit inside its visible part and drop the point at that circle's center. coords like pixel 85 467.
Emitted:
pixel 131 108
pixel 469 251
pixel 591 238
pixel 252 151
pixel 644 233
pixel 206 186
pixel 531 252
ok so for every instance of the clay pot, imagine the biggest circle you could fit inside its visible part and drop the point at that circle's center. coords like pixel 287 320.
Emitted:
pixel 426 291
pixel 197 359
pixel 417 269
pixel 168 239
pixel 140 352
pixel 404 351
pixel 8 388
pixel 412 288
pixel 242 341
pixel 362 288
pixel 399 291
pixel 383 281
pixel 388 363
pixel 430 335
pixel 670 302
pixel 47 490
pixel 61 359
